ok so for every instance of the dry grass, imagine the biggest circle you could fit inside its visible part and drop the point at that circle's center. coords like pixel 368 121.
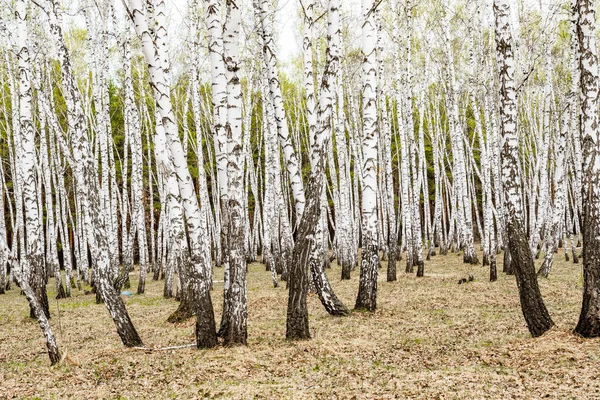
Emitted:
pixel 429 338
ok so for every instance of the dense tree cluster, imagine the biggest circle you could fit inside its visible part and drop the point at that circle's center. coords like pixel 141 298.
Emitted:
pixel 436 127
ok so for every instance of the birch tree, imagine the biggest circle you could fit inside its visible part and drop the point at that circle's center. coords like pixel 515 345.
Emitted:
pixel 585 13
pixel 219 102
pixel 156 56
pixel 291 158
pixel 31 274
pixel 234 325
pixel 367 290
pixel 534 310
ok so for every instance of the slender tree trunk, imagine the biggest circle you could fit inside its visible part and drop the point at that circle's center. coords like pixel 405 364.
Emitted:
pixel 559 199
pixel 303 258
pixel 367 290
pixel 589 319
pixel 32 262
pixel 219 102
pixel 533 307
pixel 319 143
pixel 199 285
pixel 291 158
pixel 3 250
pixel 88 195
pixel 234 325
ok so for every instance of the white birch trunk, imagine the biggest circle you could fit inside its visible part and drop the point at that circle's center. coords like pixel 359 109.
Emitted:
pixel 88 195
pixel 291 158
pixel 234 323
pixel 200 270
pixel 367 293
pixel 32 262
pixel 533 307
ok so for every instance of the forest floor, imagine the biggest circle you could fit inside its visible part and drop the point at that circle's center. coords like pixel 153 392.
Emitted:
pixel 429 338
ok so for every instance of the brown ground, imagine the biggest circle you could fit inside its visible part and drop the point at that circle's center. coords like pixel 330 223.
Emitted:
pixel 429 338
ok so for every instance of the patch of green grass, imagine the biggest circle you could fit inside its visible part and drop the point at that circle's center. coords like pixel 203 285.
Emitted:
pixel 73 304
pixel 411 342
pixel 14 366
pixel 439 312
pixel 145 301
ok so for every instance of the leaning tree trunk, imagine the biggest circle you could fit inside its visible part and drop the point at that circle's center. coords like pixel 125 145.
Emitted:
pixel 331 303
pixel 88 192
pixel 291 158
pixel 199 286
pixel 320 143
pixel 303 258
pixel 32 264
pixel 589 319
pixel 51 345
pixel 99 57
pixel 533 307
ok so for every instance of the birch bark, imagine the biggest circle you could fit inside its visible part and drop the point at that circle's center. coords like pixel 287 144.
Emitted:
pixel 533 307
pixel 367 291
pixel 156 57
pixel 291 158
pixel 234 323
pixel 589 319
pixel 32 277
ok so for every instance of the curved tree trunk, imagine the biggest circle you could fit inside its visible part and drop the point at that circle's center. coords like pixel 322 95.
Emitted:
pixel 32 264
pixel 534 310
pixel 303 257
pixel 156 57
